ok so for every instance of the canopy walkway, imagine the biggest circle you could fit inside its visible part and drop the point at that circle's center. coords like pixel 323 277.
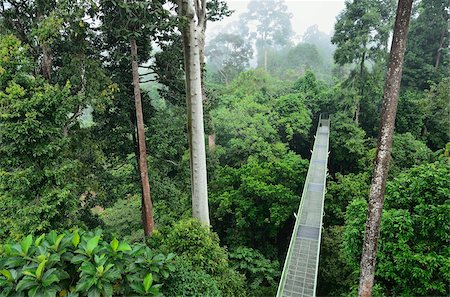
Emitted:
pixel 299 277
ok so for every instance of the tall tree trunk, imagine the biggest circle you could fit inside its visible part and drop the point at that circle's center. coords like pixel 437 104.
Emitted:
pixel 195 12
pixel 378 187
pixel 147 208
pixel 361 87
pixel 265 57
pixel 444 34
pixel 212 141
pixel 46 63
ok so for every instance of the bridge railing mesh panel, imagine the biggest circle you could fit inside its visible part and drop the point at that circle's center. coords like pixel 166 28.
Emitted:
pixel 299 277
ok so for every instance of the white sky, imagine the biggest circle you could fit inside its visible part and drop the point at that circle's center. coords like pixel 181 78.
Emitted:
pixel 305 14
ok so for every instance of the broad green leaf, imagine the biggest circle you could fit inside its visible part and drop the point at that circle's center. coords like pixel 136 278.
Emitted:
pixel 38 240
pixel 25 284
pixel 107 290
pixel 29 273
pixel 88 268
pixel 6 273
pixel 108 267
pixel 76 239
pixel 92 244
pixel 153 291
pixel 100 269
pixel 123 246
pixel 78 259
pixel 53 278
pixel 171 267
pixel 26 244
pixel 58 241
pixel 33 291
pixel 148 281
pixel 40 269
pixel 114 244
pixel 159 257
pixel 51 292
pixel 137 288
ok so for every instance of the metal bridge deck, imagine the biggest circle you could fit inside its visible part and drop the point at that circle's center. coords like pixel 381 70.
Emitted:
pixel 299 277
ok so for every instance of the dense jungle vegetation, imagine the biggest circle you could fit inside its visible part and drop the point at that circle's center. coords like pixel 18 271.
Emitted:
pixel 70 182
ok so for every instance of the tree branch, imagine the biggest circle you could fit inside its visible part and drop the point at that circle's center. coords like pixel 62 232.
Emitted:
pixel 72 120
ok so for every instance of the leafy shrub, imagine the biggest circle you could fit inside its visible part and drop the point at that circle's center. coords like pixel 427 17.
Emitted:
pixel 262 274
pixel 199 258
pixel 187 281
pixel 191 240
pixel 80 264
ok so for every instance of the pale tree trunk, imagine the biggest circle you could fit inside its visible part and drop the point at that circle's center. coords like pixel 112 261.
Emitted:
pixel 212 141
pixel 193 39
pixel 147 208
pixel 265 58
pixel 444 35
pixel 378 187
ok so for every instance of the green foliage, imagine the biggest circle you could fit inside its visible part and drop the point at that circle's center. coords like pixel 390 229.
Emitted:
pixel 81 264
pixel 407 152
pixel 353 237
pixel 38 179
pixel 188 281
pixel 314 92
pixel 257 83
pixel 256 119
pixel 411 113
pixel 427 54
pixel 437 122
pixel 202 265
pixel 362 31
pixel 243 129
pixel 334 277
pixel 291 118
pixel 347 144
pixel 124 220
pixel 413 255
pixel 252 204
pixel 342 190
pixel 261 273
pixel 190 240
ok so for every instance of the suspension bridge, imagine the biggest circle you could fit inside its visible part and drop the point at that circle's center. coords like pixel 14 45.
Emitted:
pixel 299 276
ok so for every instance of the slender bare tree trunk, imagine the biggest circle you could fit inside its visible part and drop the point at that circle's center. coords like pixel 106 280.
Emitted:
pixel 444 35
pixel 361 87
pixel 212 141
pixel 193 38
pixel 147 208
pixel 46 64
pixel 265 57
pixel 378 187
